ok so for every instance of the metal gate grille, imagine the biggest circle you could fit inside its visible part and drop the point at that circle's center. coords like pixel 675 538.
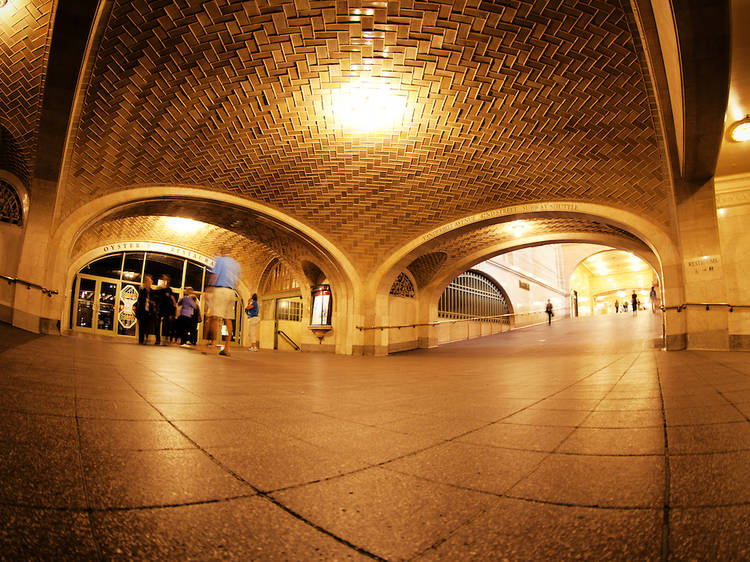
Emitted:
pixel 471 294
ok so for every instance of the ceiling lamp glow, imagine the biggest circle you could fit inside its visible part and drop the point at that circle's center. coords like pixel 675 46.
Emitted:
pixel 183 226
pixel 739 131
pixel 518 228
pixel 367 107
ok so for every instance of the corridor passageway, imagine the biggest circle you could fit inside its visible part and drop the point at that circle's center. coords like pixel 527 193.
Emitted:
pixel 577 440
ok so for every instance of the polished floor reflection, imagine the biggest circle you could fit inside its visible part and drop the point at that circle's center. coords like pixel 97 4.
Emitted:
pixel 579 440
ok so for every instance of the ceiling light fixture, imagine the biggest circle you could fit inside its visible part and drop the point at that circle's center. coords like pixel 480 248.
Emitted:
pixel 367 107
pixel 518 228
pixel 182 225
pixel 739 131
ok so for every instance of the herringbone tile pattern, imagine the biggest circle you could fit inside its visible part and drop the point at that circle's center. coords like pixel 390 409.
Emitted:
pixel 507 102
pixel 24 48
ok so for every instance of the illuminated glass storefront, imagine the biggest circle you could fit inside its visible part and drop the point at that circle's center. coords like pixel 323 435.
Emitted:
pixel 105 290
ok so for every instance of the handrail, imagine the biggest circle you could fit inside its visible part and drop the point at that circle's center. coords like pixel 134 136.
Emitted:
pixel 289 340
pixel 29 285
pixel 706 305
pixel 453 321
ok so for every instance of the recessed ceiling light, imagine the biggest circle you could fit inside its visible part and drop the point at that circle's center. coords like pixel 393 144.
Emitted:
pixel 739 131
pixel 182 225
pixel 368 107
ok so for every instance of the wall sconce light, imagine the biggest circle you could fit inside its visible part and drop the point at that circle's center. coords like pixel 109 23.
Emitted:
pixel 739 131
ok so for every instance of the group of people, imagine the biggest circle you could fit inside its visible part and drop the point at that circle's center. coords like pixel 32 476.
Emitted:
pixel 635 304
pixel 159 313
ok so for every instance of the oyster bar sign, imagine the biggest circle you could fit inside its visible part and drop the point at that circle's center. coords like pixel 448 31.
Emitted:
pixel 155 247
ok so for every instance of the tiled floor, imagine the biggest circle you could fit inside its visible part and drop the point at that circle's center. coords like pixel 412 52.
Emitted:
pixel 578 440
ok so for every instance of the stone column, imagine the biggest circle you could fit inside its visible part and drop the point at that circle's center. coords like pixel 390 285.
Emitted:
pixel 702 272
pixel 733 212
pixel 374 313
pixel 32 310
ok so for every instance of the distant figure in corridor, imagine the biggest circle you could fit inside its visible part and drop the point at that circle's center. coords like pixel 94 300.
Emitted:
pixel 146 310
pixel 548 310
pixel 652 297
pixel 251 311
pixel 634 299
pixel 222 282
pixel 617 306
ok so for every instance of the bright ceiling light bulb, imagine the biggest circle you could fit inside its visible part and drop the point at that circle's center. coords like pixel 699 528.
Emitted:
pixel 518 228
pixel 739 131
pixel 183 226
pixel 367 107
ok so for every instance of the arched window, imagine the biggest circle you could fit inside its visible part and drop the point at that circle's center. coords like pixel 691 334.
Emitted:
pixel 277 279
pixel 10 204
pixel 472 295
pixel 403 287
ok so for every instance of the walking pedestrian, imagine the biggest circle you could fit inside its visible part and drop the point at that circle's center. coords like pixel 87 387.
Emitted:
pixel 220 297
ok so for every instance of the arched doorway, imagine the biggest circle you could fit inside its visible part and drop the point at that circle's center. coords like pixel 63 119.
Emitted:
pixel 281 308
pixel 104 291
pixel 605 281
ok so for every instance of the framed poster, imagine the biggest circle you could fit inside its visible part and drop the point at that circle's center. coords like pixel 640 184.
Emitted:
pixel 322 302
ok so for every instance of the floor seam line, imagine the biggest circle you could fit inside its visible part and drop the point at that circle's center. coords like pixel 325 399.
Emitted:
pixel 257 490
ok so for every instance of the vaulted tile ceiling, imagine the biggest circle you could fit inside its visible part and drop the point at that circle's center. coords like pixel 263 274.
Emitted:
pixel 499 103
pixel 24 48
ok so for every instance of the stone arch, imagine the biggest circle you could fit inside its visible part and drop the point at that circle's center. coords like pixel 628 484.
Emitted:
pixel 274 229
pixel 655 237
pixel 441 281
pixel 648 258
pixel 610 226
pixel 263 279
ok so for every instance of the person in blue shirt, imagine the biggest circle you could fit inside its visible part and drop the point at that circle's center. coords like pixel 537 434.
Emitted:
pixel 188 318
pixel 220 297
pixel 251 311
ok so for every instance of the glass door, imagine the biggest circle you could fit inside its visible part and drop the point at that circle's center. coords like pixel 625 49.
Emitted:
pixel 95 305
pixel 85 296
pixel 106 306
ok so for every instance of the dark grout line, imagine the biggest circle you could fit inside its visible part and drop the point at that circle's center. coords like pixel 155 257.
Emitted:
pixel 508 496
pixel 575 428
pixel 441 442
pixel 666 530
pixel 452 532
pixel 229 499
pixel 260 493
pixel 82 471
